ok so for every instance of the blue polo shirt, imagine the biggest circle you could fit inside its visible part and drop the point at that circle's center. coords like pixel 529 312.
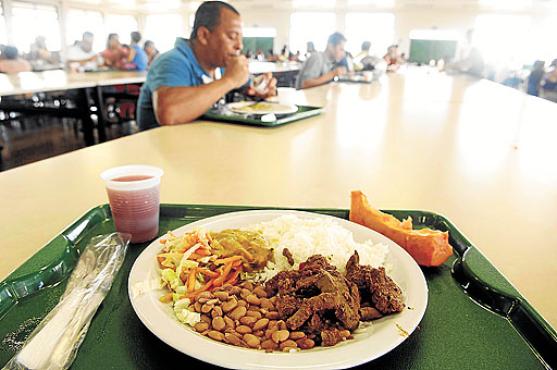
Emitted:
pixel 176 67
pixel 140 58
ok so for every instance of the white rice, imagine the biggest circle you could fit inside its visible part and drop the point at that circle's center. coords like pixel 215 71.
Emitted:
pixel 306 237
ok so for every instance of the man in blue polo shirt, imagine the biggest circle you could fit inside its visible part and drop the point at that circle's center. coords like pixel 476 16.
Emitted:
pixel 184 82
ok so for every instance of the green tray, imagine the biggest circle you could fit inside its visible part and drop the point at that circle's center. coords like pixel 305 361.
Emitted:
pixel 304 111
pixel 475 319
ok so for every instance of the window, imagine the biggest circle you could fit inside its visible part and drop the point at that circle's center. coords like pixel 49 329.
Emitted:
pixel 79 21
pixel 163 29
pixel 309 26
pixel 503 39
pixel 541 44
pixel 44 21
pixel 121 24
pixel 378 28
pixel 3 28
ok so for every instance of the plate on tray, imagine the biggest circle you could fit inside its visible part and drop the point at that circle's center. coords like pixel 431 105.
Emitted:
pixel 369 343
pixel 262 107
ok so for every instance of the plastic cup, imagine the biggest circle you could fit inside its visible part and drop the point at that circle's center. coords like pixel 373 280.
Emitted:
pixel 134 197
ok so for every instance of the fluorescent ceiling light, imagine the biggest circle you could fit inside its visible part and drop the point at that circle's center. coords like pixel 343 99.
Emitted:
pixel 506 4
pixel 377 3
pixel 322 4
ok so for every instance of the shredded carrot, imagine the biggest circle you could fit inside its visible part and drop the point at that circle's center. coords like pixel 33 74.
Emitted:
pixel 237 263
pixel 248 255
pixel 163 241
pixel 233 276
pixel 223 261
pixel 209 273
pixel 183 277
pixel 220 280
pixel 191 280
pixel 166 298
pixel 202 289
pixel 195 256
pixel 203 252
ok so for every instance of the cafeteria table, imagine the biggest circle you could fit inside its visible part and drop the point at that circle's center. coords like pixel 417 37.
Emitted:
pixel 479 153
pixel 88 86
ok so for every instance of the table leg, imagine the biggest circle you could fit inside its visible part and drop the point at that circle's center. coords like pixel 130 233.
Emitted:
pixel 87 123
pixel 101 122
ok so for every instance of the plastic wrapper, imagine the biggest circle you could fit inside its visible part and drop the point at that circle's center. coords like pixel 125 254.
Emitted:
pixel 55 341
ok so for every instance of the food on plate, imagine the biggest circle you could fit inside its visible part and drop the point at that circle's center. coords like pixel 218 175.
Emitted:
pixel 428 247
pixel 288 284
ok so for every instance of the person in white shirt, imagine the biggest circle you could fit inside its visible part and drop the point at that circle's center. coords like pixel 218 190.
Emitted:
pixel 81 53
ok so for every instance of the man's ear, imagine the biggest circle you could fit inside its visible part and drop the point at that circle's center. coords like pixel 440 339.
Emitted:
pixel 203 35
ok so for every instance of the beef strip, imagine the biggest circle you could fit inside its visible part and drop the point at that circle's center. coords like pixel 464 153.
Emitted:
pixel 374 283
pixel 288 255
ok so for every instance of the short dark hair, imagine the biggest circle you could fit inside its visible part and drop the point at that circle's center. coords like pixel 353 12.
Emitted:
pixel 87 34
pixel 208 15
pixel 336 38
pixel 366 45
pixel 10 52
pixel 135 36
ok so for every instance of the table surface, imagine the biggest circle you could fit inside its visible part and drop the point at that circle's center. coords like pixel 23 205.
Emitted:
pixel 33 82
pixel 479 153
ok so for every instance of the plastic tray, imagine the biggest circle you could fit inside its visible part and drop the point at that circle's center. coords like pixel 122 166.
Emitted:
pixel 304 111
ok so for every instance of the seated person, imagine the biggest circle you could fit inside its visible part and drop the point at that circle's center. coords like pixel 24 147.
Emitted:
pixel 321 67
pixel 81 54
pixel 151 51
pixel 393 58
pixel 549 83
pixel 114 56
pixel 40 56
pixel 183 83
pixel 10 62
pixel 137 57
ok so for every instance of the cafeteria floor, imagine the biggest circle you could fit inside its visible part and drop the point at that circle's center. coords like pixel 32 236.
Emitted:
pixel 30 139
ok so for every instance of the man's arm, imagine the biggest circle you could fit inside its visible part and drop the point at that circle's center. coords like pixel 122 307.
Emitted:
pixel 327 77
pixel 182 104
pixel 175 105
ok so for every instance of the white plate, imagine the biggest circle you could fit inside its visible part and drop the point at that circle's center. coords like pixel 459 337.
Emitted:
pixel 264 107
pixel 381 337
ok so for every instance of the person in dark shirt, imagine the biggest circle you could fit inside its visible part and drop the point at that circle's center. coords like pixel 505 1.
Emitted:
pixel 535 78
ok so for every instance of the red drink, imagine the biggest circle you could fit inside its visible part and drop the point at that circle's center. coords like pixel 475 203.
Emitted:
pixel 134 196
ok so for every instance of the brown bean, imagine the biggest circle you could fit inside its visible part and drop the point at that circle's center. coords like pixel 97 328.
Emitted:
pixel 216 335
pixel 197 306
pixel 253 313
pixel 245 292
pixel 295 335
pixel 260 292
pixel 242 303
pixel 273 324
pixel 216 312
pixel 290 344
pixel 230 324
pixel 229 305
pixel 206 308
pixel 345 333
pixel 248 320
pixel 268 344
pixel 202 300
pixel 232 338
pixel 235 290
pixel 205 294
pixel 281 325
pixel 205 318
pixel 247 285
pixel 237 313
pixel 223 296
pixel 213 301
pixel 280 336
pixel 267 304
pixel 218 323
pixel 273 299
pixel 261 324
pixel 305 343
pixel 253 299
pixel 273 315
pixel 201 326
pixel 243 329
pixel 259 333
pixel 251 340
pixel 226 287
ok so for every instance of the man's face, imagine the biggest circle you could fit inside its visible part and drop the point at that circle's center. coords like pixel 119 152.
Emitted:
pixel 225 40
pixel 87 43
pixel 337 51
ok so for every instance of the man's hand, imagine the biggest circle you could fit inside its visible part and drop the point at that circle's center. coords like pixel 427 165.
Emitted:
pixel 264 86
pixel 236 71
pixel 340 71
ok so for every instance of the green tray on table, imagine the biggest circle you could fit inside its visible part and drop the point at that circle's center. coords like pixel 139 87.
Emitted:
pixel 474 320
pixel 304 111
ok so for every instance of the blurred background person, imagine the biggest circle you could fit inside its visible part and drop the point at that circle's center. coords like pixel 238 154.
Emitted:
pixel 11 62
pixel 321 67
pixel 80 55
pixel 137 56
pixel 114 56
pixel 535 78
pixel 151 51
pixel 549 83
pixel 393 59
